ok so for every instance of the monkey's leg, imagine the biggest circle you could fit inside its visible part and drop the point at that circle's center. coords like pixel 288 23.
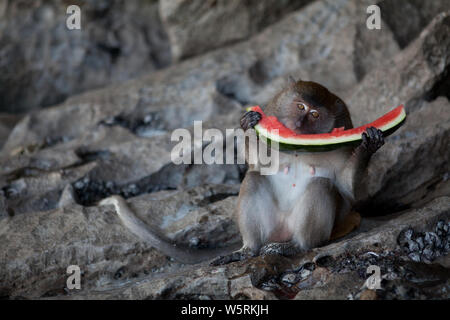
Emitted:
pixel 255 215
pixel 346 225
pixel 313 216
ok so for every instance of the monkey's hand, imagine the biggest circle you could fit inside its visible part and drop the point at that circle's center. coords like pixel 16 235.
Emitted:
pixel 372 140
pixel 250 119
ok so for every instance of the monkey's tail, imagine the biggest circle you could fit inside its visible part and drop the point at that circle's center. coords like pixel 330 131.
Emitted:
pixel 183 254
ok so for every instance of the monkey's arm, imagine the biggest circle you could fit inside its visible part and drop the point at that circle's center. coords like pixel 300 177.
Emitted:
pixel 248 121
pixel 354 175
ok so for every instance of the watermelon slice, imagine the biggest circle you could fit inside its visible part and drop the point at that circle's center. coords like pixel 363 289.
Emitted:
pixel 339 137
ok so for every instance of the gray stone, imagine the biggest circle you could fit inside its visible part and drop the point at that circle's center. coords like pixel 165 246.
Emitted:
pixel 57 163
pixel 42 245
pixel 412 159
pixel 43 62
pixel 407 18
pixel 197 26
pixel 219 82
pixel 415 74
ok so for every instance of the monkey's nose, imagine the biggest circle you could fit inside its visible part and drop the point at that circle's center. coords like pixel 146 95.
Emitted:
pixel 298 123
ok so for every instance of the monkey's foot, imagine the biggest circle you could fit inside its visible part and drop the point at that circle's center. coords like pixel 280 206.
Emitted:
pixel 280 248
pixel 232 257
pixel 250 119
pixel 351 222
pixel 372 139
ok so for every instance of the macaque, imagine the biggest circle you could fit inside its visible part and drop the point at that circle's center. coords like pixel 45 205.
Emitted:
pixel 295 209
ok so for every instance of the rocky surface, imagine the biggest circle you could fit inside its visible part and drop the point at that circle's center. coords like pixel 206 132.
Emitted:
pixel 57 163
pixel 198 26
pixel 43 62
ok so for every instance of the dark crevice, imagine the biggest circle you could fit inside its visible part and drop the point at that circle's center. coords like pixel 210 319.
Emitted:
pixel 441 88
pixel 231 88
pixel 89 192
pixel 52 141
pixel 260 72
pixel 378 205
pixel 91 155
pixel 407 18
pixel 113 52
pixel 215 198
pixel 148 125
pixel 25 172
pixel 376 209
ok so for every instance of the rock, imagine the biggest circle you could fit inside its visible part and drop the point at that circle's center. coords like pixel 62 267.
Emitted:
pixel 305 273
pixel 393 181
pixel 414 256
pixel 219 82
pixel 195 27
pixel 337 286
pixel 68 197
pixel 106 161
pixel 94 239
pixel 243 288
pixel 383 235
pixel 39 252
pixel 125 130
pixel 7 123
pixel 290 278
pixel 318 278
pixel 415 74
pixel 427 245
pixel 59 162
pixel 367 55
pixel 118 40
pixel 407 18
pixel 202 212
pixel 59 247
pixel 3 206
pixel 41 192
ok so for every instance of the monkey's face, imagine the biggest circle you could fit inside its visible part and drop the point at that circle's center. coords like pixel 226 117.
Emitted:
pixel 305 118
pixel 309 108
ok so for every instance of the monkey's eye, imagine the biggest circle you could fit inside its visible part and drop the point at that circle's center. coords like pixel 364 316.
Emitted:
pixel 301 106
pixel 315 114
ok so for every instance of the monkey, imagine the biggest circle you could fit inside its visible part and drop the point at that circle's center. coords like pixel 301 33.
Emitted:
pixel 295 209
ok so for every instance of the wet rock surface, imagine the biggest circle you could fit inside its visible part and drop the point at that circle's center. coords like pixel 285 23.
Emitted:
pixel 57 163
